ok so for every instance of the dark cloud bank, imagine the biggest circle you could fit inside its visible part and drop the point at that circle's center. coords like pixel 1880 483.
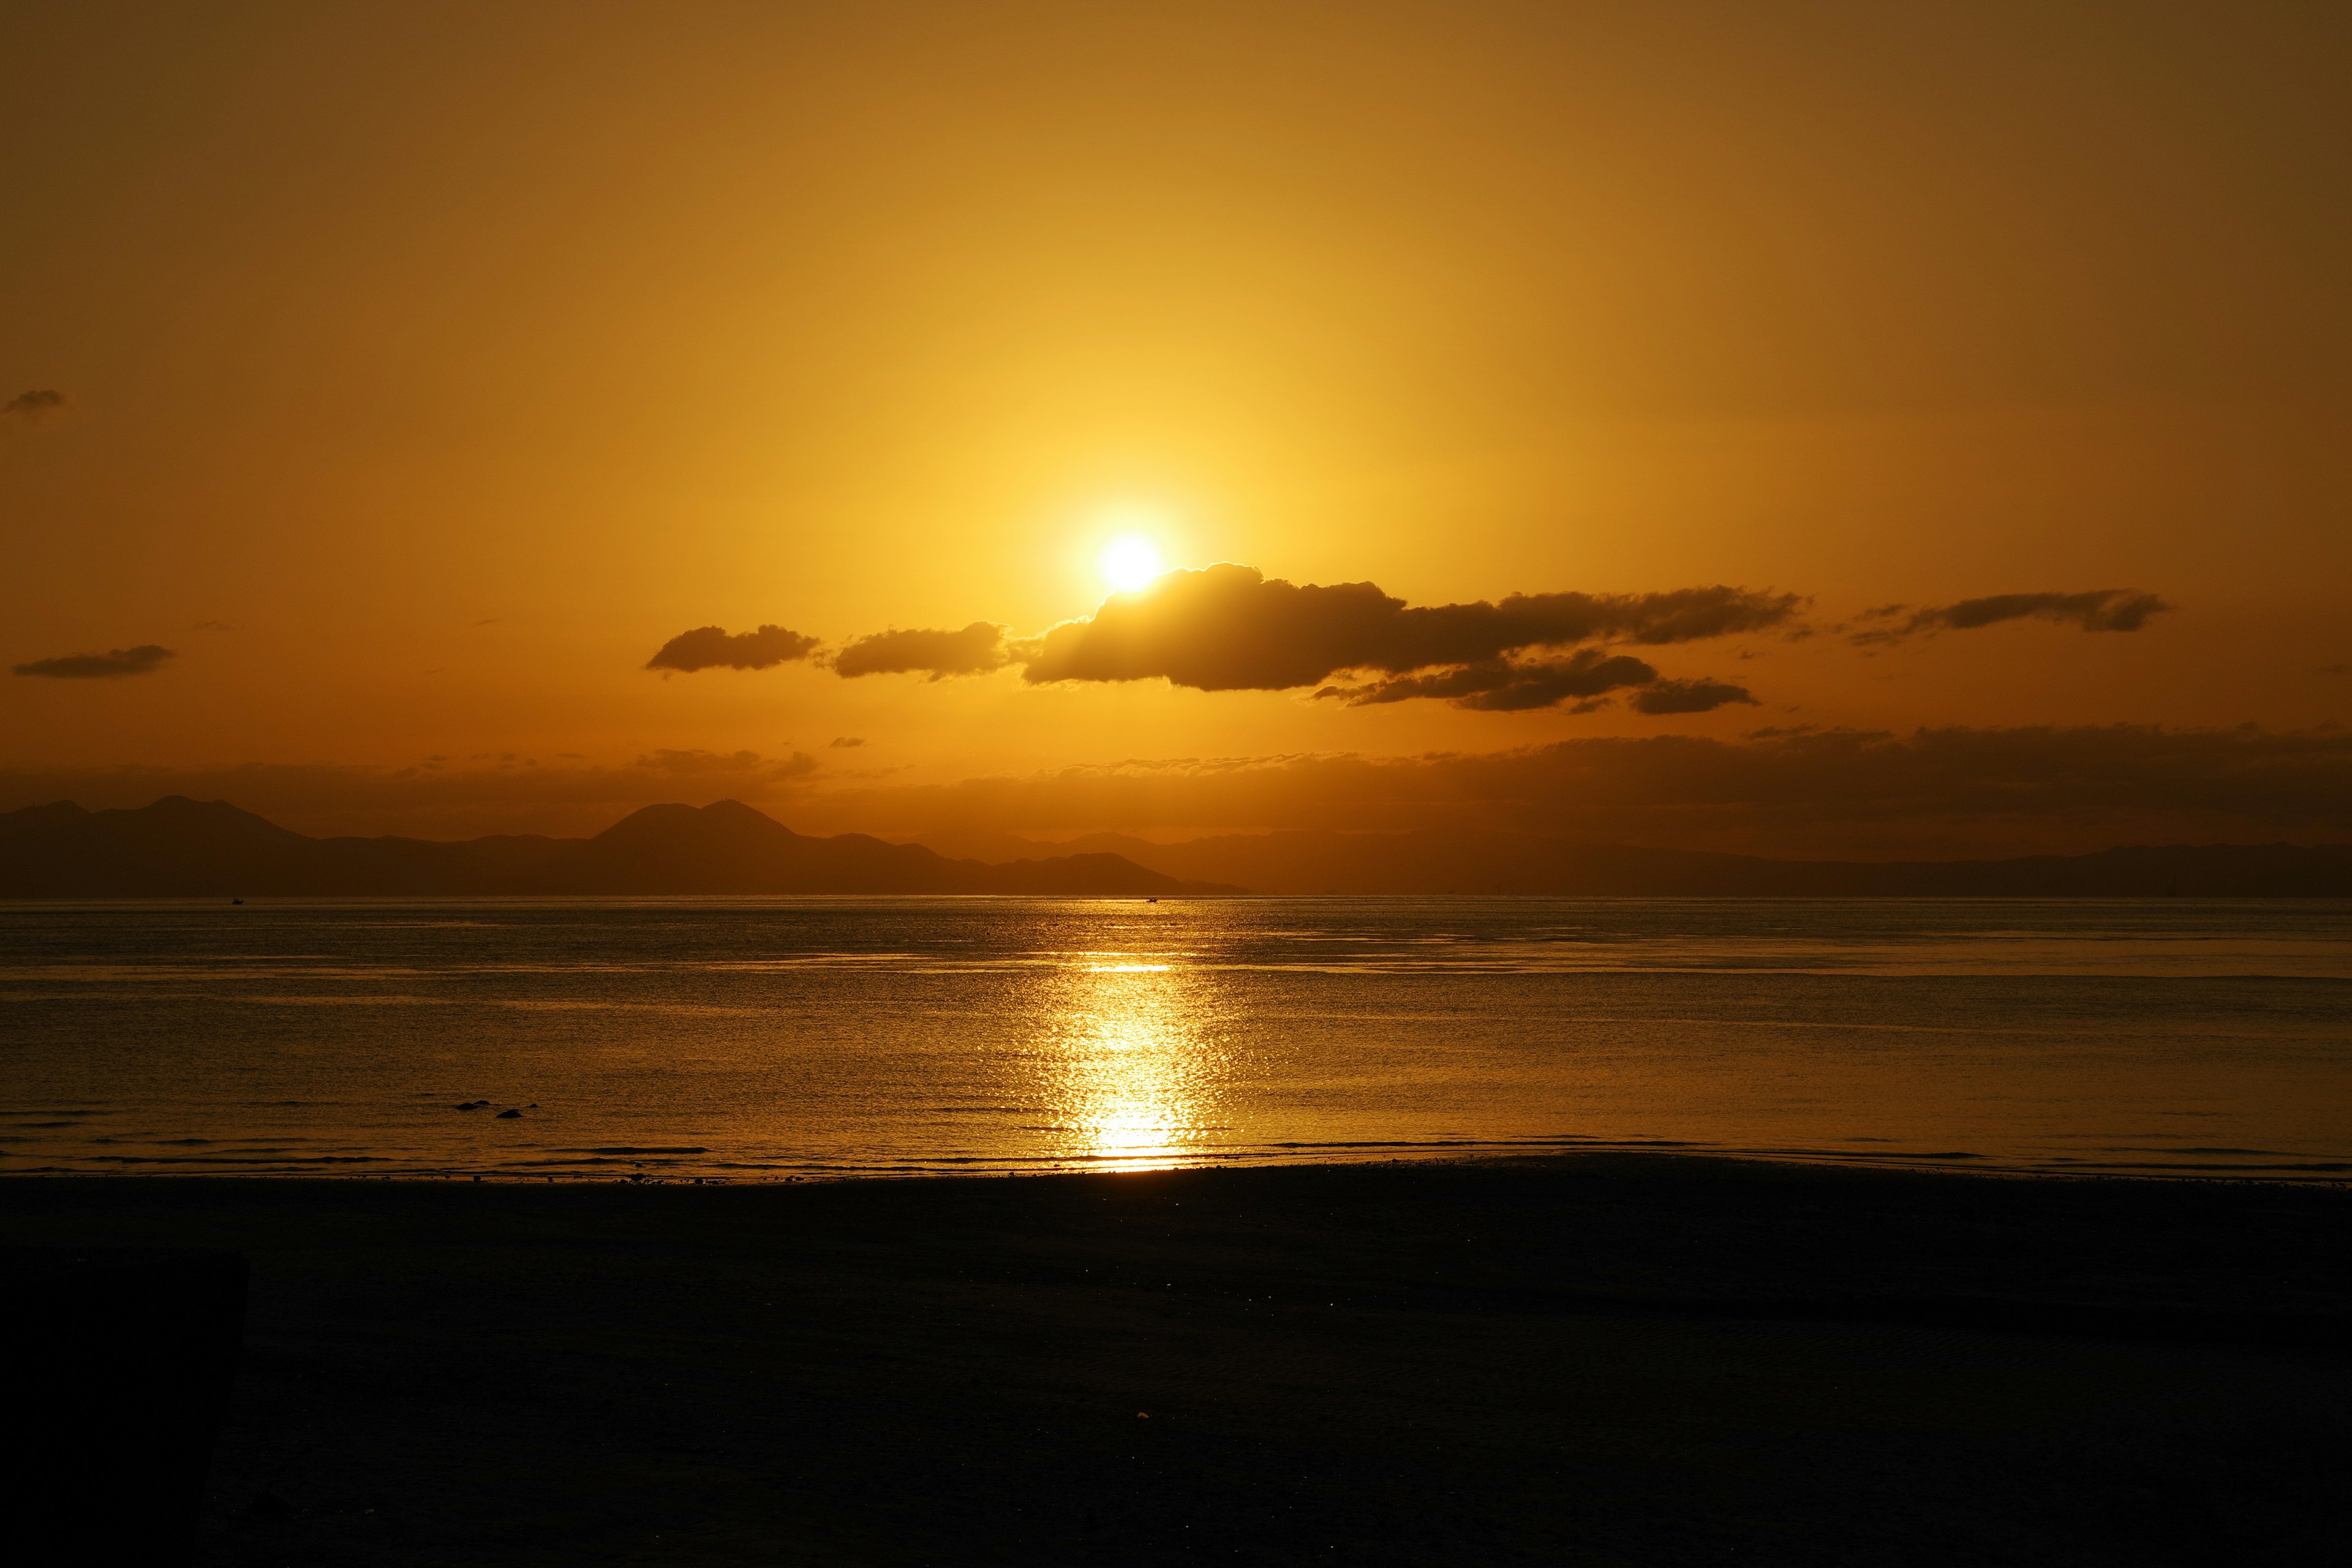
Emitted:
pixel 1231 628
pixel 113 664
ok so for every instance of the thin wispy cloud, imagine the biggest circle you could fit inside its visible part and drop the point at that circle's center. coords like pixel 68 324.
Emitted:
pixel 2100 610
pixel 113 664
pixel 32 407
pixel 1690 697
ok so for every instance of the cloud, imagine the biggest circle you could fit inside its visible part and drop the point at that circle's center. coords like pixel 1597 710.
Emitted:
pixel 1690 697
pixel 1229 628
pixel 106 665
pixel 977 649
pixel 1956 791
pixel 1585 677
pixel 846 743
pixel 32 407
pixel 2101 610
pixel 711 647
pixel 1504 686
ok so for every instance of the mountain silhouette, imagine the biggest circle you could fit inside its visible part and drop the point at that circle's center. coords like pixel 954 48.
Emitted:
pixel 1476 860
pixel 183 847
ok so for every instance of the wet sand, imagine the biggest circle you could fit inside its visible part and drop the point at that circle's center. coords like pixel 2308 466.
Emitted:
pixel 1603 1359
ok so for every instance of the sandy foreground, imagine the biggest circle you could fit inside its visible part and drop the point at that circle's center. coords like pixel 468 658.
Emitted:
pixel 1605 1359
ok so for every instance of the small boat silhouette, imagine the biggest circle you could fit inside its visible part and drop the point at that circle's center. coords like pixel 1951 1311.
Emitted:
pixel 236 900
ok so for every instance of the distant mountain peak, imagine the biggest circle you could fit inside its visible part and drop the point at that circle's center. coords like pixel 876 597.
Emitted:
pixel 736 811
pixel 675 822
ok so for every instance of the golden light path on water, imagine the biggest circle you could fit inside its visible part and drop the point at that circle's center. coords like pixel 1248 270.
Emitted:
pixel 1131 1065
pixel 784 1039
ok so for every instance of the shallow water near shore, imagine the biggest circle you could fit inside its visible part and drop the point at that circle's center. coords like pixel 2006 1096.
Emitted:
pixel 766 1038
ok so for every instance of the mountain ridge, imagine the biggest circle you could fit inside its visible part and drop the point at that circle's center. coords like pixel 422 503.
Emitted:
pixel 1473 860
pixel 177 847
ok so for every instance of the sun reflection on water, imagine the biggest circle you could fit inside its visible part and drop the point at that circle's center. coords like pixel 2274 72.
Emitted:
pixel 1134 1066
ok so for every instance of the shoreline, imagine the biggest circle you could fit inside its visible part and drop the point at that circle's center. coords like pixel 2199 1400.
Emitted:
pixel 2316 1172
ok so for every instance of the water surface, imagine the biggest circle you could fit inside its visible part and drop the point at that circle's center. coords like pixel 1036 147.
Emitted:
pixel 760 1039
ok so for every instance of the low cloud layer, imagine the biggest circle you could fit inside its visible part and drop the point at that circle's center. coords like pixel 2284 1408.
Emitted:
pixel 2100 610
pixel 713 648
pixel 977 649
pixel 31 407
pixel 113 664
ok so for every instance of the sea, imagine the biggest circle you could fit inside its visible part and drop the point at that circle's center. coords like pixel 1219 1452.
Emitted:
pixel 736 1039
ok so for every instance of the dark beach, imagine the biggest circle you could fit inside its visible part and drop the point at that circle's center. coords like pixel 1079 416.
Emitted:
pixel 1605 1359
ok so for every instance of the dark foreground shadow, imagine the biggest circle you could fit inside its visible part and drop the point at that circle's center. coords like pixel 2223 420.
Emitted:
pixel 119 1368
pixel 1611 1360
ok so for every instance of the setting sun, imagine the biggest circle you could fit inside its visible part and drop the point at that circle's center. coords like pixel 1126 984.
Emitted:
pixel 1130 561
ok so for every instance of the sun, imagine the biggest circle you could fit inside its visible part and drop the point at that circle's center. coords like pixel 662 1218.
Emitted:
pixel 1130 561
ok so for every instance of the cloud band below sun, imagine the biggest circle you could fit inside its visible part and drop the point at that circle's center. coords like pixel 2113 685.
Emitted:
pixel 1230 628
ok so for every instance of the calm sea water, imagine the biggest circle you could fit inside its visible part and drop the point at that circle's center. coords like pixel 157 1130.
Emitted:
pixel 760 1038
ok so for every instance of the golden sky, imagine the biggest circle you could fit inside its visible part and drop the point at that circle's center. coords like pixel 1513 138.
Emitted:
pixel 423 370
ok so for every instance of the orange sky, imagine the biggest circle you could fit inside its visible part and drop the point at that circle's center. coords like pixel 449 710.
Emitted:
pixel 428 368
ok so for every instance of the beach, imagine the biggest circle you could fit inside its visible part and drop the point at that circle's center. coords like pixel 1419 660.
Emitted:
pixel 1614 1358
